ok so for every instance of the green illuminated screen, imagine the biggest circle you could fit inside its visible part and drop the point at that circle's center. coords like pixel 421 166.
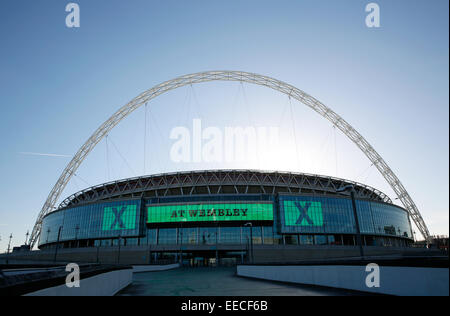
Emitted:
pixel 210 212
pixel 119 217
pixel 303 213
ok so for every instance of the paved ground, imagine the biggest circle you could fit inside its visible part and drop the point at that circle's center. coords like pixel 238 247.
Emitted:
pixel 215 282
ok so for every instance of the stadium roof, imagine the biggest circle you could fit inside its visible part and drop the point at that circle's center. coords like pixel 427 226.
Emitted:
pixel 219 182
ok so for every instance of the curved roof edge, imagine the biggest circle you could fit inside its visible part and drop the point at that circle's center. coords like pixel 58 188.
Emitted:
pixel 242 181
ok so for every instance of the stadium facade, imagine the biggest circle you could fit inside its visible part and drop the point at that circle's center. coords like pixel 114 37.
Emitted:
pixel 222 214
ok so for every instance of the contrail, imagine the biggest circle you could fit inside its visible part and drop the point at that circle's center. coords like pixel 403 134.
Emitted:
pixel 42 154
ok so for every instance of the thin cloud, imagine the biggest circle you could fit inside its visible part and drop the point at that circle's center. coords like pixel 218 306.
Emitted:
pixel 44 154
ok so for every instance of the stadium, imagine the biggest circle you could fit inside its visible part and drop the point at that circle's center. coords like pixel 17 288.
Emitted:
pixel 225 217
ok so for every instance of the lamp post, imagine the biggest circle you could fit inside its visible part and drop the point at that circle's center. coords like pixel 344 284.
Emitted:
pixel 9 243
pixel 351 189
pixel 9 246
pixel 251 239
pixel 26 236
pixel 247 245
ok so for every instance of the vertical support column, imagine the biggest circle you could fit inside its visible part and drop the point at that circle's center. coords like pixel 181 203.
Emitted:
pixel 149 254
pixel 57 243
pixel 358 230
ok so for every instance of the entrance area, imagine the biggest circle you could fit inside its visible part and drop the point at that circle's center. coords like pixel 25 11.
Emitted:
pixel 199 259
pixel 212 258
pixel 194 259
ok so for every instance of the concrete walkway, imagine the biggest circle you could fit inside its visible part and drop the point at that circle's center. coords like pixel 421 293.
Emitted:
pixel 215 282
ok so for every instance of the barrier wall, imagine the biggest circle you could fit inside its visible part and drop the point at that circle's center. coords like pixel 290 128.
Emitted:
pixel 142 255
pixel 405 281
pixel 105 284
pixel 154 268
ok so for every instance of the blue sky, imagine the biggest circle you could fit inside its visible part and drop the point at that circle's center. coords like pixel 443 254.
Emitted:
pixel 59 84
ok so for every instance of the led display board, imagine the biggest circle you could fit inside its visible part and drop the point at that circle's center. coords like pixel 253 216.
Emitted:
pixel 303 213
pixel 119 217
pixel 210 212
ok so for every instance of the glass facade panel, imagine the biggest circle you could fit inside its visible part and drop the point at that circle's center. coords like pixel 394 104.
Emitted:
pixel 268 235
pixel 291 239
pixel 389 220
pixel 230 235
pixel 283 219
pixel 327 215
pixel 320 240
pixel 208 236
pixel 150 238
pixel 306 240
pixel 256 233
pixel 167 236
pixel 189 236
pixel 94 221
pixel 332 240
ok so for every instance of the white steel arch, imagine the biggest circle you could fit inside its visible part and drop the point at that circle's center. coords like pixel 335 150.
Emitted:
pixel 240 76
